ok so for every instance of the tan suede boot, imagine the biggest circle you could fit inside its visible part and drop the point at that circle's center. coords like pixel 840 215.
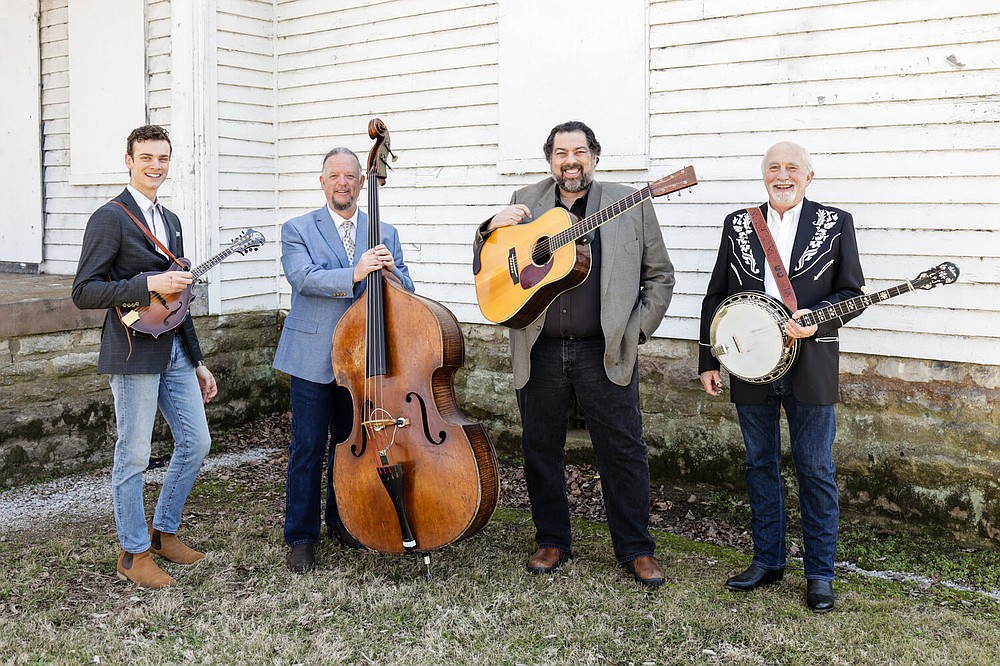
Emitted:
pixel 142 570
pixel 169 546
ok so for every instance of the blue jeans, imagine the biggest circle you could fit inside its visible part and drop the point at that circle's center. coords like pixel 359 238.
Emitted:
pixel 178 395
pixel 562 369
pixel 812 429
pixel 320 414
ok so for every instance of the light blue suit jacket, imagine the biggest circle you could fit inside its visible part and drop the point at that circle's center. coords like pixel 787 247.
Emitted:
pixel 316 266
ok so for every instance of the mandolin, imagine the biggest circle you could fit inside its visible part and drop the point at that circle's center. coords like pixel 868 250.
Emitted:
pixel 165 312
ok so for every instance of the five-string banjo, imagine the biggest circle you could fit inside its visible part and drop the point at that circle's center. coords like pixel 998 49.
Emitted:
pixel 748 330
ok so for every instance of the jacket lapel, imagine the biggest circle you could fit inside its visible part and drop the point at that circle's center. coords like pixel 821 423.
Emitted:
pixel 803 234
pixel 328 231
pixel 126 198
pixel 361 240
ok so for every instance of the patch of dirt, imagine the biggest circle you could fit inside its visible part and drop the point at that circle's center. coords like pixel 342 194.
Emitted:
pixel 695 513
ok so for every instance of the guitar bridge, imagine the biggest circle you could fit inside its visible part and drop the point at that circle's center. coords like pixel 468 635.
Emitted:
pixel 512 266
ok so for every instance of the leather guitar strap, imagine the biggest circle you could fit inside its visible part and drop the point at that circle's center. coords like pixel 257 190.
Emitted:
pixel 149 234
pixel 773 259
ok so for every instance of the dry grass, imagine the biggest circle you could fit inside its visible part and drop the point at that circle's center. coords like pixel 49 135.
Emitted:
pixel 61 602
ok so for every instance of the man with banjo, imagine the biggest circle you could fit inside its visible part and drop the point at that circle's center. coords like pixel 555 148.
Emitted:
pixel 811 260
pixel 128 252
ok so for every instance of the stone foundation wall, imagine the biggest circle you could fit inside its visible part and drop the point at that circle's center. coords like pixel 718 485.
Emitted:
pixel 917 440
pixel 57 413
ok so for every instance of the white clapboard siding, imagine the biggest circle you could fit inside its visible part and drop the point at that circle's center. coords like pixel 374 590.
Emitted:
pixel 247 148
pixel 896 100
pixel 429 70
pixel 66 208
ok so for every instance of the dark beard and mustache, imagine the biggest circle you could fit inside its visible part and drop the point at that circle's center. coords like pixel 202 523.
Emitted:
pixel 575 184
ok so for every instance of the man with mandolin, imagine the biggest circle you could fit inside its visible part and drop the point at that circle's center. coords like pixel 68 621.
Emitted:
pixel 126 262
pixel 584 347
pixel 805 255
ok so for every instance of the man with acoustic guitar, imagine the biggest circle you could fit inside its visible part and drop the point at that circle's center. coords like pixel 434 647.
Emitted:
pixel 584 346
pixel 125 238
pixel 811 259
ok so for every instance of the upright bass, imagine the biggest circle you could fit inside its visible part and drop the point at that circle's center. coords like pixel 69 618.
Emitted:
pixel 414 474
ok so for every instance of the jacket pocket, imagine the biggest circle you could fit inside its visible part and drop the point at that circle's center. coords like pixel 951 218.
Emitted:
pixel 299 324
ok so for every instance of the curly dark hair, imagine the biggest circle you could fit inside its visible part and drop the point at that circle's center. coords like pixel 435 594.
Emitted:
pixel 147 133
pixel 572 126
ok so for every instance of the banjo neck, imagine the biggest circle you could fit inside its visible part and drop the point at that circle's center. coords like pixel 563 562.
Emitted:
pixel 854 304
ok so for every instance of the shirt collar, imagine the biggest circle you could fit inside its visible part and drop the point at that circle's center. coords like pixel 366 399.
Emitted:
pixel 340 221
pixel 579 207
pixel 140 198
pixel 791 215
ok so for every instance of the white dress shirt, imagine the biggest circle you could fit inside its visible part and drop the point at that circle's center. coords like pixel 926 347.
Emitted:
pixel 782 228
pixel 154 218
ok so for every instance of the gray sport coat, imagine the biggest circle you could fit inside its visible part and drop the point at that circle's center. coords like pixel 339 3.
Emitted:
pixel 637 278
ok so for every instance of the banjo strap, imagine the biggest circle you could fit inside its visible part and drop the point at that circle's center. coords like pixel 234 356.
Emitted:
pixel 773 259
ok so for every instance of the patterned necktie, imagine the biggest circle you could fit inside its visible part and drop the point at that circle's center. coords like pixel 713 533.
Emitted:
pixel 159 226
pixel 349 241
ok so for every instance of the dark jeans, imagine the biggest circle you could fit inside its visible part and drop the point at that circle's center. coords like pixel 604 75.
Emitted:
pixel 562 369
pixel 812 429
pixel 320 413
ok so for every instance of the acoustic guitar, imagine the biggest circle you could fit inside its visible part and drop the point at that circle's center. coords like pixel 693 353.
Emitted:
pixel 523 268
pixel 748 336
pixel 165 312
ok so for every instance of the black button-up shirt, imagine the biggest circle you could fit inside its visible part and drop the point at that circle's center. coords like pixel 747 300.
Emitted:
pixel 577 312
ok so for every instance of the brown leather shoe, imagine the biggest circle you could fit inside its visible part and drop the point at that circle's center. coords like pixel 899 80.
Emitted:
pixel 169 546
pixel 142 570
pixel 646 570
pixel 547 560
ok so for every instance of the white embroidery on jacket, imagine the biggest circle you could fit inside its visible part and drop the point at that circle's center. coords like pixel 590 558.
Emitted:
pixel 825 219
pixel 743 228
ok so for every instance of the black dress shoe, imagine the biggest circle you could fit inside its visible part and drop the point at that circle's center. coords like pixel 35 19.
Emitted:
pixel 340 534
pixel 819 596
pixel 753 578
pixel 300 558
pixel 547 560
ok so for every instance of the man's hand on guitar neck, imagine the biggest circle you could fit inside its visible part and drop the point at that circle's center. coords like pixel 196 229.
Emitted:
pixel 509 216
pixel 170 282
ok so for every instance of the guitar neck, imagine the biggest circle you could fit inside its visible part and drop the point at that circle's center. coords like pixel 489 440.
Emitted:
pixel 854 304
pixel 591 222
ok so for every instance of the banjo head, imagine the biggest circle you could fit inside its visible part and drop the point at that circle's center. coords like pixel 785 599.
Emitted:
pixel 748 337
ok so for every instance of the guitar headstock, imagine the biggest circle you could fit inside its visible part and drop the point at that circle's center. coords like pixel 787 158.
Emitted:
pixel 249 240
pixel 676 181
pixel 943 273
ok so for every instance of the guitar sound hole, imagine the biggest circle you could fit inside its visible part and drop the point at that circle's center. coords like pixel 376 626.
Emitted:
pixel 542 252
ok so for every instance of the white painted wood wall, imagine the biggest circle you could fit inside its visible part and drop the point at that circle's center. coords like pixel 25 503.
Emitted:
pixel 896 99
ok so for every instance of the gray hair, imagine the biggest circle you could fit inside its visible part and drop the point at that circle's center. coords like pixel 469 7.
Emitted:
pixel 806 157
pixel 341 150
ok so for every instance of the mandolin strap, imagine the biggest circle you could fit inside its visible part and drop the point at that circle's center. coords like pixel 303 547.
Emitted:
pixel 773 259
pixel 144 229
